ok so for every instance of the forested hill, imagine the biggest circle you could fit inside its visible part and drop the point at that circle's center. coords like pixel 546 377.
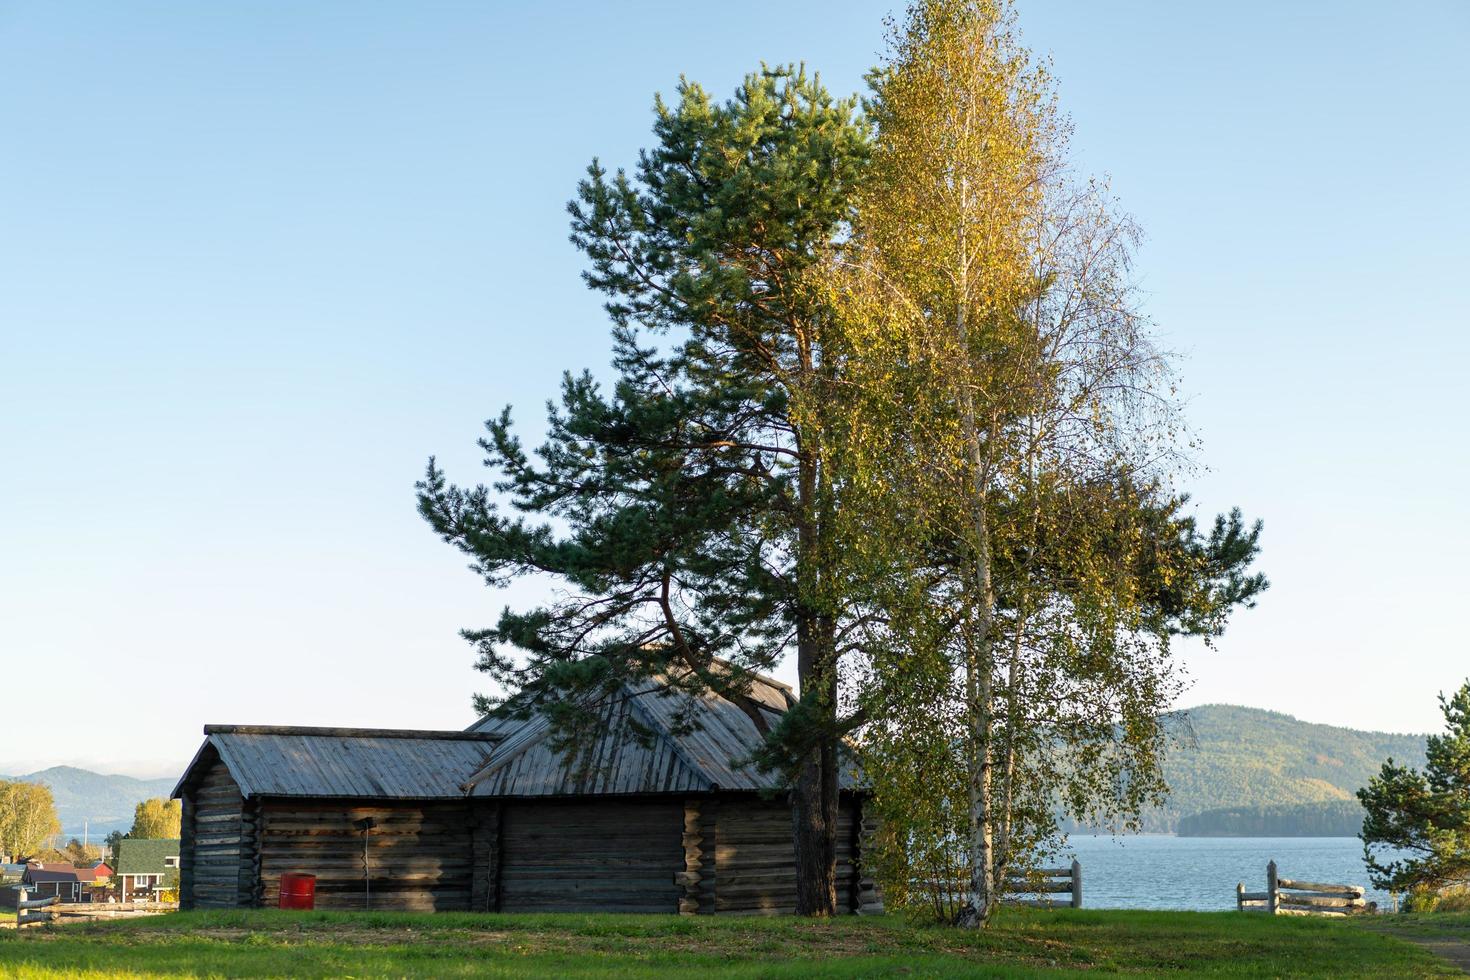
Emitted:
pixel 101 803
pixel 1225 756
pixel 1326 818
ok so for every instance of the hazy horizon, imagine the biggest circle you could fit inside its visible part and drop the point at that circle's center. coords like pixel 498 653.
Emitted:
pixel 260 261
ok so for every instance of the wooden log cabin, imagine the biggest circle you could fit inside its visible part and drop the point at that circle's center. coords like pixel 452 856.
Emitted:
pixel 657 815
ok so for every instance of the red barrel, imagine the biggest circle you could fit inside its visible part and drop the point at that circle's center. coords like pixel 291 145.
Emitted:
pixel 298 891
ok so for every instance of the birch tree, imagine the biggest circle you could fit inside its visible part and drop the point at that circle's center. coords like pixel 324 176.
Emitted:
pixel 157 819
pixel 1008 454
pixel 27 818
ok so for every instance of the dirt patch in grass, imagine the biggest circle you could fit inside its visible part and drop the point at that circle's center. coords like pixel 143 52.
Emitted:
pixel 1457 953
pixel 1446 935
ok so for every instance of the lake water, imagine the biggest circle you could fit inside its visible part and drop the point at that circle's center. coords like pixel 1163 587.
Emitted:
pixel 1200 873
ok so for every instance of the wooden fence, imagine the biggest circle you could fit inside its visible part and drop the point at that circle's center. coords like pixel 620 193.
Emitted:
pixel 1288 896
pixel 948 895
pixel 24 914
pixel 1047 882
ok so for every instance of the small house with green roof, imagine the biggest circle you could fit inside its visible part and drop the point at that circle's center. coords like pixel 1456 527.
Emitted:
pixel 144 867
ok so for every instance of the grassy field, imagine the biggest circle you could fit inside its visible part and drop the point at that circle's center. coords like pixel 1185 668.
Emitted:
pixel 1021 944
pixel 1446 933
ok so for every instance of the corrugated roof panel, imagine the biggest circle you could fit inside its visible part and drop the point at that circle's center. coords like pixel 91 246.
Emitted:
pixel 711 755
pixel 617 763
pixel 390 767
pixel 506 757
pixel 723 737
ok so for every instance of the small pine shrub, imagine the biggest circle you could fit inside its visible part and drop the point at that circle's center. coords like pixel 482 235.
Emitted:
pixel 1450 898
pixel 1455 898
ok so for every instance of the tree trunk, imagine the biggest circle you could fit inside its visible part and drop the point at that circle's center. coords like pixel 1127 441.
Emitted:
pixel 1006 821
pixel 814 820
pixel 979 638
pixel 979 691
pixel 814 793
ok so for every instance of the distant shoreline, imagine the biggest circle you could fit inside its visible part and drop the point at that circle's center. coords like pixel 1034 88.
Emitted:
pixel 1156 833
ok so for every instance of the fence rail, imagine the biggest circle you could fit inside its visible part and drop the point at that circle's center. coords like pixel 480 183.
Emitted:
pixel 24 906
pixel 1042 883
pixel 1290 896
pixel 1047 882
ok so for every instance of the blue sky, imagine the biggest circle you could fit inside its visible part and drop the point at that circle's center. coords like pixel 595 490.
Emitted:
pixel 258 261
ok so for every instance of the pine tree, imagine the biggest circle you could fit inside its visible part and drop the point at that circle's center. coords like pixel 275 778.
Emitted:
pixel 688 514
pixel 1416 828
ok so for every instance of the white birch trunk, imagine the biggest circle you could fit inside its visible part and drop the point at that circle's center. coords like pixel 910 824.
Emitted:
pixel 979 659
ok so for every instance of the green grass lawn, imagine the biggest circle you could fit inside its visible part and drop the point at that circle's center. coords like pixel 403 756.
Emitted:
pixel 1447 933
pixel 1020 944
pixel 1432 925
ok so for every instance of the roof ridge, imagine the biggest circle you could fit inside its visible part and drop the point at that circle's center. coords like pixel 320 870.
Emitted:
pixel 675 745
pixel 437 734
pixel 757 675
pixel 513 749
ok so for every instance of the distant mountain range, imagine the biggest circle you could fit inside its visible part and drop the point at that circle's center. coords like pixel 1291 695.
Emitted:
pixel 101 803
pixel 1226 757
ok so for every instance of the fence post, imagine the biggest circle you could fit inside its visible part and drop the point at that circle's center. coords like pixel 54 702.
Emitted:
pixel 1240 896
pixel 1273 896
pixel 1076 884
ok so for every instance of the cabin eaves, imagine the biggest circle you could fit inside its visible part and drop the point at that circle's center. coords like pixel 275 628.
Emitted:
pixel 655 739
pixel 345 763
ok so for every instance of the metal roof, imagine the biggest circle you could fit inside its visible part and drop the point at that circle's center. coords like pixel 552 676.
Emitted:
pixel 345 762
pixel 616 763
pixel 711 754
pixel 507 757
pixel 36 876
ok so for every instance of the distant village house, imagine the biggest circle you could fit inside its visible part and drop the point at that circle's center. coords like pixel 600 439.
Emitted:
pixel 69 883
pixel 145 867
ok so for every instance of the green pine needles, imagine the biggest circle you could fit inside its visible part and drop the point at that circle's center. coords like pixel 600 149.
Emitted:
pixel 881 404
pixel 687 512
pixel 1416 832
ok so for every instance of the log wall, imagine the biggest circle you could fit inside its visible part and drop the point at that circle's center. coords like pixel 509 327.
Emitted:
pixel 420 856
pixel 755 860
pixel 867 896
pixel 485 855
pixel 186 852
pixel 211 853
pixel 701 855
pixel 697 881
pixel 602 855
